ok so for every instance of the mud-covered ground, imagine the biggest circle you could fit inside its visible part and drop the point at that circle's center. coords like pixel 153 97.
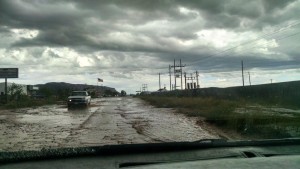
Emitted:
pixel 107 121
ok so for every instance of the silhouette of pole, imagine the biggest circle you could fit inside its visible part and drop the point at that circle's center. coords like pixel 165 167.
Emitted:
pixel 159 80
pixel 170 77
pixel 249 78
pixel 174 75
pixel 243 73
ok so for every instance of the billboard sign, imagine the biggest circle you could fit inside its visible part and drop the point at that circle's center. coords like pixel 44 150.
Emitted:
pixel 9 72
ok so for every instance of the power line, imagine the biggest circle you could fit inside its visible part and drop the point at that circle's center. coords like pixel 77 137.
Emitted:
pixel 248 42
pixel 281 38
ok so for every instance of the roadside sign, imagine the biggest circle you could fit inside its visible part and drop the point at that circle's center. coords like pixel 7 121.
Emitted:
pixel 9 72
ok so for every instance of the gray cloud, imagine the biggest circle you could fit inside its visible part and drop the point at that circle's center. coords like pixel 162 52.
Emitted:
pixel 130 36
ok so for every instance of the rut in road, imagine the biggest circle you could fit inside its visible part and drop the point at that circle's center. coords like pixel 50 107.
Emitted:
pixel 130 120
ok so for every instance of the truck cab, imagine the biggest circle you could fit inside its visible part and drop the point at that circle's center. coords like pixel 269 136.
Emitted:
pixel 79 98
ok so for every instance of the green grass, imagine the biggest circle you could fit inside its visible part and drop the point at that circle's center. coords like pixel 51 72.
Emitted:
pixel 221 113
pixel 27 102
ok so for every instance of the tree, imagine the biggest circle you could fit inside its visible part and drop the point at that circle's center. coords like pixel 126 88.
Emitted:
pixel 110 93
pixel 46 91
pixel 123 93
pixel 15 91
pixel 63 93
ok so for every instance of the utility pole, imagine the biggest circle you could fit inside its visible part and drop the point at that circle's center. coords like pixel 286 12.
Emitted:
pixel 177 73
pixel 180 73
pixel 243 73
pixel 6 95
pixel 197 78
pixel 192 81
pixel 144 87
pixel 184 80
pixel 170 77
pixel 159 80
pixel 174 74
pixel 271 80
pixel 249 78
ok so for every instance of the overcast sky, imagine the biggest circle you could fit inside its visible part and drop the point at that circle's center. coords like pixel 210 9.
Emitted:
pixel 127 43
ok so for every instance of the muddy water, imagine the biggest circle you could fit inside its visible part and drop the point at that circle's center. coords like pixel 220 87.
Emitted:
pixel 107 121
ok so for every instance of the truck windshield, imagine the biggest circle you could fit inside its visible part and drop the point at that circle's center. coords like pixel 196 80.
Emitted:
pixel 142 71
pixel 78 94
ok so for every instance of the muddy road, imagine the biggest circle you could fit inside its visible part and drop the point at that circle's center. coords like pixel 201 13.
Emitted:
pixel 107 121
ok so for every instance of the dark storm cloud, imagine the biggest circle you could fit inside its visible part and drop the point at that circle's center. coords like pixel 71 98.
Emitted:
pixel 232 13
pixel 271 5
pixel 145 28
pixel 217 64
pixel 4 29
pixel 65 23
pixel 37 14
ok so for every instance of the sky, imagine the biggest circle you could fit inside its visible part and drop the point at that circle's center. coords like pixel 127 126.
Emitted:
pixel 127 43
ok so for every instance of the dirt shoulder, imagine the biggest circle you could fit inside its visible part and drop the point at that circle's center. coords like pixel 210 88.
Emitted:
pixel 214 130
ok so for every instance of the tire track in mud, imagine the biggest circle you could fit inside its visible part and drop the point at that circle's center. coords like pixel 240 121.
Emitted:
pixel 162 124
pixel 105 126
pixel 140 125
pixel 74 132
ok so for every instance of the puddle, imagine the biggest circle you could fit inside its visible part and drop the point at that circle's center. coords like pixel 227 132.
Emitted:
pixel 107 121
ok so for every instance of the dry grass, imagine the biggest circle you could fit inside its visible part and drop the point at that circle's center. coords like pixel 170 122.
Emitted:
pixel 221 112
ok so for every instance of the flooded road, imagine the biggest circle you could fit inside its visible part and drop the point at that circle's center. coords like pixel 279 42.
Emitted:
pixel 107 121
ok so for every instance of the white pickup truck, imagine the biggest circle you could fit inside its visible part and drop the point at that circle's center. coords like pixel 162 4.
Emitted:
pixel 79 98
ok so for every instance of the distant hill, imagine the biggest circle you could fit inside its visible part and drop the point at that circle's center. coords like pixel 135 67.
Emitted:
pixel 63 85
pixel 63 89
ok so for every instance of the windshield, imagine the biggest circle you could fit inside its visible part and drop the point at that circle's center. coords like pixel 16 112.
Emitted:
pixel 79 94
pixel 155 71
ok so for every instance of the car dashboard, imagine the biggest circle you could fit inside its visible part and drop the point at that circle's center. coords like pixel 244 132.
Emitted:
pixel 157 156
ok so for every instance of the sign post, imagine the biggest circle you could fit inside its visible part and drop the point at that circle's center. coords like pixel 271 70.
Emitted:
pixel 8 73
pixel 5 85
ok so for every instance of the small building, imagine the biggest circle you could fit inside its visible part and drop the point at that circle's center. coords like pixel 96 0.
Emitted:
pixel 32 90
pixel 26 89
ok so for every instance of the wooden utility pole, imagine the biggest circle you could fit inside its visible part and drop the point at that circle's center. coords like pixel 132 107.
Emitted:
pixel 159 80
pixel 6 94
pixel 192 80
pixel 174 74
pixel 197 78
pixel 170 77
pixel 184 80
pixel 249 78
pixel 181 73
pixel 243 73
